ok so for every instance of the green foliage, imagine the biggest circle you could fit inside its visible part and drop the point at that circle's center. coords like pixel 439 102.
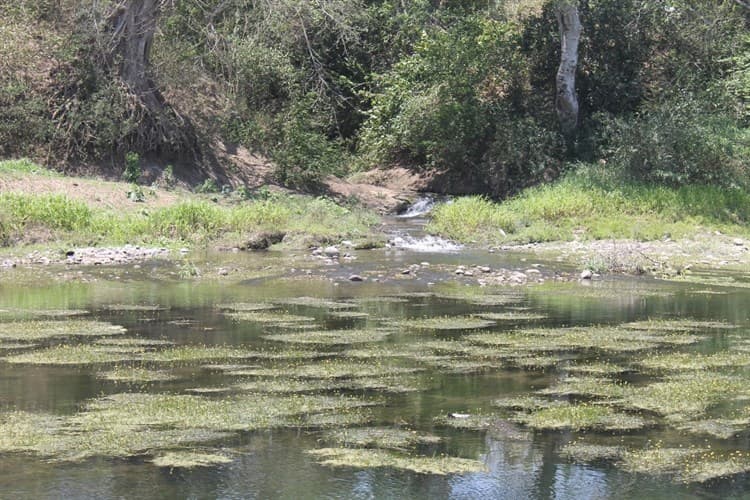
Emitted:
pixel 681 141
pixel 132 168
pixel 591 203
pixel 207 187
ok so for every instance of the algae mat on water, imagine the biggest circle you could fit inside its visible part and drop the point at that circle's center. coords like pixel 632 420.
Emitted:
pixel 42 330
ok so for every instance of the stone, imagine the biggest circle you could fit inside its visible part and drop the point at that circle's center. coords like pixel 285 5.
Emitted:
pixel 262 240
pixel 331 251
pixel 356 278
pixel 586 274
pixel 223 271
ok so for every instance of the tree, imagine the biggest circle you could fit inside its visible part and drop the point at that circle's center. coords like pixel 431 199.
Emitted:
pixel 566 101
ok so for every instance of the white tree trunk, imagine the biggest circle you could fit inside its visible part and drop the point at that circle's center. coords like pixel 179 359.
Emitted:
pixel 570 35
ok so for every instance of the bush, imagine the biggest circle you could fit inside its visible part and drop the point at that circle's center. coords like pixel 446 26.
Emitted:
pixel 678 142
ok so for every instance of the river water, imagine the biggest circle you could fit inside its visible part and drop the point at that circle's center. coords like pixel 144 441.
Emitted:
pixel 517 461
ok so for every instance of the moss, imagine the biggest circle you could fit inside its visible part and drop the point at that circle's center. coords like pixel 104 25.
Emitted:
pixel 189 460
pixel 331 337
pixel 380 437
pixel 581 416
pixel 41 330
pixel 368 459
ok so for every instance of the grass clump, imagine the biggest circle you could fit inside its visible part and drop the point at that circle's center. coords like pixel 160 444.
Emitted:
pixel 381 438
pixel 604 208
pixel 42 330
pixel 369 459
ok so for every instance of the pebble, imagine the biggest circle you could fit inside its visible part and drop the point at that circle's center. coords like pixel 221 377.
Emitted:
pixel 331 251
pixel 356 277
pixel 586 274
pixel 223 271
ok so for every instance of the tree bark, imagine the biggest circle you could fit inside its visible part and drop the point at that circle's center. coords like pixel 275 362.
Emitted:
pixel 570 35
pixel 133 27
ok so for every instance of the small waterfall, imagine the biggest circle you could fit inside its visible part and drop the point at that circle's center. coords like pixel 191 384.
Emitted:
pixel 420 207
pixel 431 244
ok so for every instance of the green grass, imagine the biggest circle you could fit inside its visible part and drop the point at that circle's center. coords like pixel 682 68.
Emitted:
pixel 586 204
pixel 26 218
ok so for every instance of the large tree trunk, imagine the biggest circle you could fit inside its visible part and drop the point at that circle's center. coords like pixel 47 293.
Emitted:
pixel 134 25
pixel 570 34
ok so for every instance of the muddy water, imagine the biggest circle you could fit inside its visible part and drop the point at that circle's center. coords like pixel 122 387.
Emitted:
pixel 274 463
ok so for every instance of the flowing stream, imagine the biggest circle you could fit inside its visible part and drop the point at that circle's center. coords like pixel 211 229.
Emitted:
pixel 262 370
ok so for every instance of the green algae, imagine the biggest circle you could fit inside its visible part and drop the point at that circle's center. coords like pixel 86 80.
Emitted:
pixel 330 369
pixel 373 458
pixel 677 325
pixel 696 361
pixel 189 460
pixel 246 306
pixel 511 316
pixel 133 342
pixel 584 452
pixel 134 374
pixel 331 337
pixel 134 308
pixel 381 438
pixel 446 323
pixel 270 318
pixel 526 403
pixel 578 417
pixel 331 305
pixel 350 314
pixel 42 330
pixel 72 355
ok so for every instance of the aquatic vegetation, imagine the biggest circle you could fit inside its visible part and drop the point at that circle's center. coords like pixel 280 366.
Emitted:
pixel 446 323
pixel 246 306
pixel 448 364
pixel 685 397
pixel 41 330
pixel 511 316
pixel 696 361
pixel 189 460
pixel 330 369
pixel 579 417
pixel 12 346
pixel 677 325
pixel 494 424
pixel 371 458
pixel 350 314
pixel 316 302
pixel 331 337
pixel 527 403
pixel 191 353
pixel 380 437
pixel 135 374
pixel 73 355
pixel 588 387
pixel 598 368
pixel 134 307
pixel 720 428
pixel 380 300
pixel 132 342
pixel 686 464
pixel 601 338
pixel 272 318
pixel 18 314
pixel 584 452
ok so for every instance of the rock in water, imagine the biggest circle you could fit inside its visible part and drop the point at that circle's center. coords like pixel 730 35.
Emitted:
pixel 331 251
pixel 262 240
pixel 356 277
pixel 587 274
